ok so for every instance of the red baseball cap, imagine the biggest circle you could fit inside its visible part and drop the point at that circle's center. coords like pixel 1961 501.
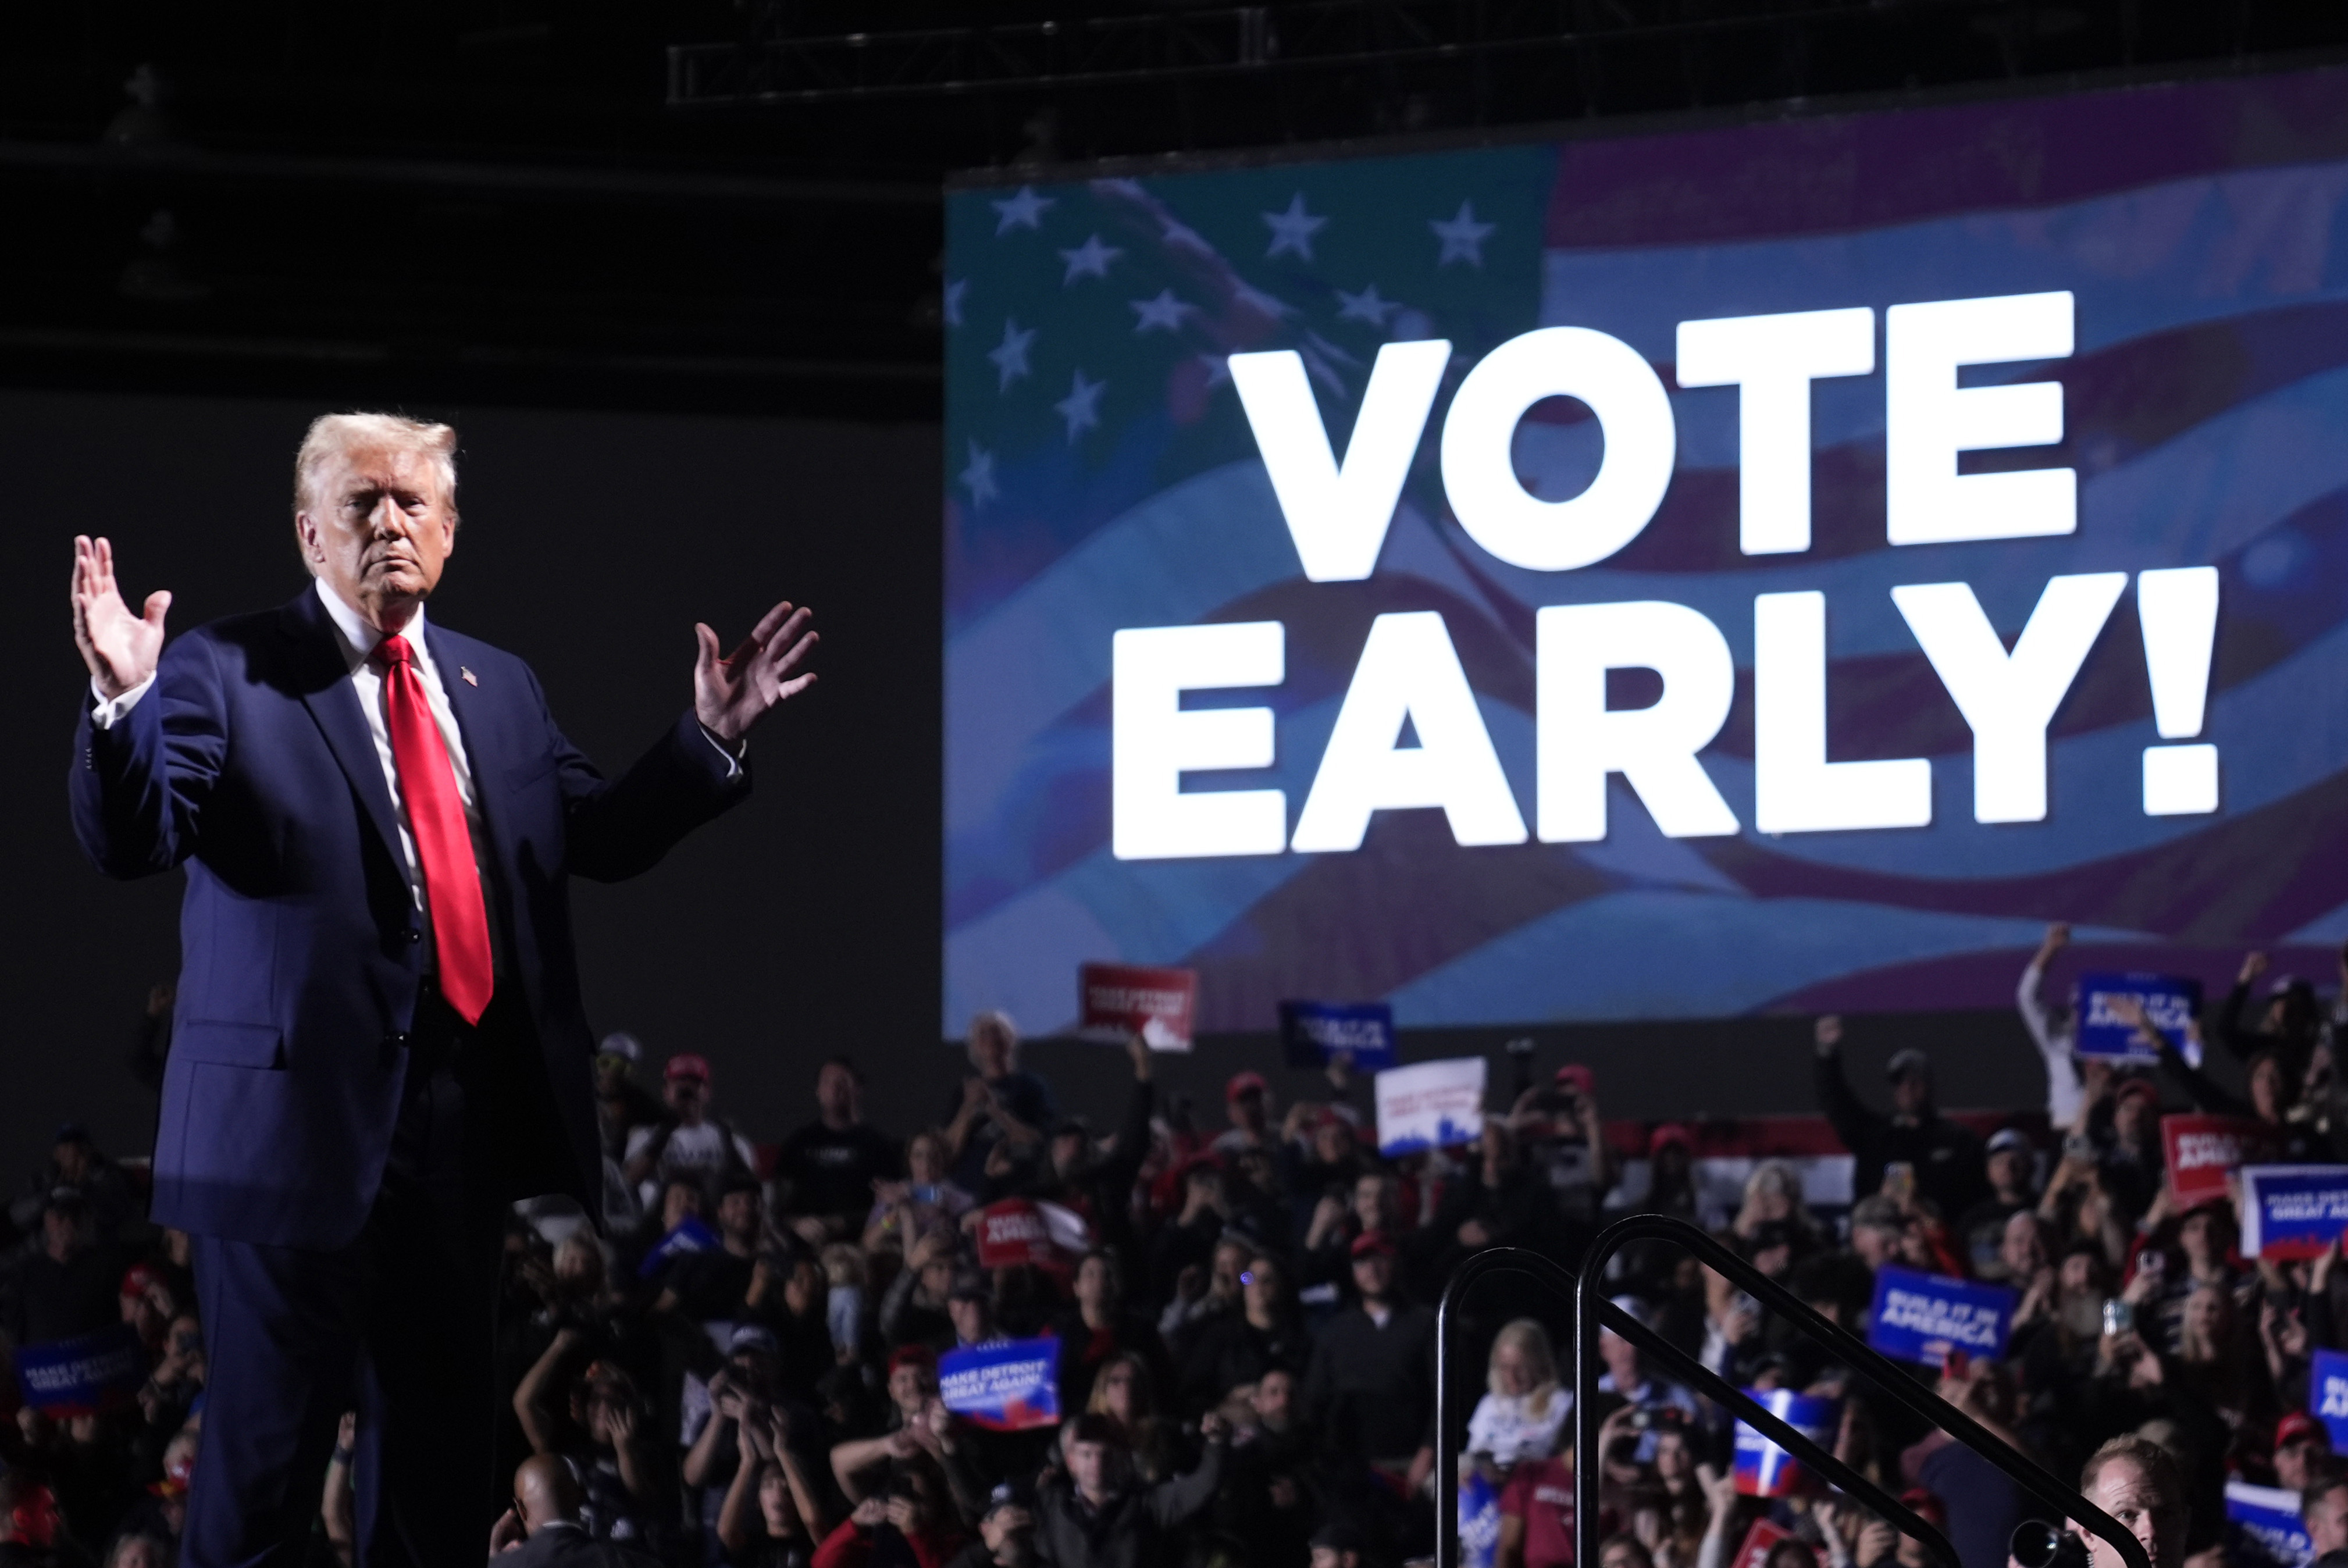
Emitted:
pixel 1372 1243
pixel 2297 1425
pixel 1580 1077
pixel 139 1279
pixel 1245 1083
pixel 2135 1087
pixel 687 1065
pixel 1670 1133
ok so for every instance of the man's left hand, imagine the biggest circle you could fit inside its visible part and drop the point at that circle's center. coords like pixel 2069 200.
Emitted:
pixel 733 693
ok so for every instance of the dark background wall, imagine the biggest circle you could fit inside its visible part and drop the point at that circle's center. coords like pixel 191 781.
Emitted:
pixel 802 924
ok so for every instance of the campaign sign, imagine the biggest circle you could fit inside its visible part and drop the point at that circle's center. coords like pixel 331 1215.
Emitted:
pixel 92 1372
pixel 1923 1317
pixel 2293 1210
pixel 2203 1150
pixel 690 1236
pixel 2169 1001
pixel 1479 1520
pixel 1765 1534
pixel 1123 1000
pixel 1430 1105
pixel 2267 1518
pixel 1008 1385
pixel 1765 1469
pixel 1012 1232
pixel 2327 1394
pixel 1315 1032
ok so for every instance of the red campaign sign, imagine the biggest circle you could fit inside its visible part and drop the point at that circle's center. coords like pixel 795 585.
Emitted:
pixel 2203 1150
pixel 1016 1232
pixel 1012 1232
pixel 1765 1534
pixel 1119 1000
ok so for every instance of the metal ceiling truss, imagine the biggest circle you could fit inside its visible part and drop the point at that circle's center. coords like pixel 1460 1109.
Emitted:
pixel 778 65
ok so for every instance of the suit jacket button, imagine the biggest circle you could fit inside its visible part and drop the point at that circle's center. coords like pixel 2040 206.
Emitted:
pixel 397 1041
pixel 412 935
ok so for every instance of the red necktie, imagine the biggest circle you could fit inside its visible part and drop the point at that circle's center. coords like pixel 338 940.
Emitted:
pixel 436 815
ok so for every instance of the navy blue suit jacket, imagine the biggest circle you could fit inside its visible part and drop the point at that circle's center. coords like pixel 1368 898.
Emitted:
pixel 250 763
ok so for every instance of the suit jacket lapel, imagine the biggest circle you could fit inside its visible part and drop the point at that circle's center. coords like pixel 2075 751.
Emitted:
pixel 324 682
pixel 476 723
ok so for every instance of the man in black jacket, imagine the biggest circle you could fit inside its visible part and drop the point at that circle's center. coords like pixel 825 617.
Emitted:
pixel 542 1526
pixel 1372 1373
pixel 1946 1159
pixel 1099 1516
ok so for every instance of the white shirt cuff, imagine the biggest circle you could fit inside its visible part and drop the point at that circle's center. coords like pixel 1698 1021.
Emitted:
pixel 740 749
pixel 110 711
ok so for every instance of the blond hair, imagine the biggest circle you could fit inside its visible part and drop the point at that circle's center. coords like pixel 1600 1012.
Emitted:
pixel 332 436
pixel 1532 1342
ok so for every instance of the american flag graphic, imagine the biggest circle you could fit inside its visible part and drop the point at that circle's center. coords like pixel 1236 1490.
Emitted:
pixel 1101 475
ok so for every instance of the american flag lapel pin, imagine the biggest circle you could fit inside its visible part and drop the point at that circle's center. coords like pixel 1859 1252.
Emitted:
pixel 470 678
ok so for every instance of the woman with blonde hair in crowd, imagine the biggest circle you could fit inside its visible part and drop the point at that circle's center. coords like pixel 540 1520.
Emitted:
pixel 1773 1196
pixel 1521 1414
pixel 1123 1392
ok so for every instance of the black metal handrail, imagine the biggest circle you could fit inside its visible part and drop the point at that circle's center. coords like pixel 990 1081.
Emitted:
pixel 1592 1310
pixel 1515 1260
pixel 1591 1307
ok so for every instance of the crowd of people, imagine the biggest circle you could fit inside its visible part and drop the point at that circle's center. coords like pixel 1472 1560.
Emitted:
pixel 737 1362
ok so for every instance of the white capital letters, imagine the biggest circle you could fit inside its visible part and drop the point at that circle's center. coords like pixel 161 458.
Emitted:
pixel 1408 668
pixel 1794 789
pixel 1773 359
pixel 1153 742
pixel 1338 516
pixel 2008 701
pixel 1928 419
pixel 1635 414
pixel 1580 740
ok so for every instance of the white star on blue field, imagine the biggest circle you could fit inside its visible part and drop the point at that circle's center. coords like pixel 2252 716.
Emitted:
pixel 1081 407
pixel 1089 324
pixel 1463 238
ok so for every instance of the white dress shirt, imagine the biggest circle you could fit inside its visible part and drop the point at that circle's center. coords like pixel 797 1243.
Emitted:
pixel 357 641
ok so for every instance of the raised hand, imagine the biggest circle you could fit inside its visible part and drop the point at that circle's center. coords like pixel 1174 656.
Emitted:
pixel 733 693
pixel 120 649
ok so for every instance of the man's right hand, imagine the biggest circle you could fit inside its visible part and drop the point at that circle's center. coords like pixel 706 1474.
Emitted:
pixel 507 1534
pixel 1828 1034
pixel 120 649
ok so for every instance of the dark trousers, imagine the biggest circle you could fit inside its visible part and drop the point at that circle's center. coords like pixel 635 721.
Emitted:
pixel 398 1327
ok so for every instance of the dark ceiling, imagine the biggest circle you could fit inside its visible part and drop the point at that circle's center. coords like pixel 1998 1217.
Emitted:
pixel 735 206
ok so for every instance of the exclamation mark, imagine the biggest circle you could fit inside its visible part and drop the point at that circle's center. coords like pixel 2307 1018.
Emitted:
pixel 2178 612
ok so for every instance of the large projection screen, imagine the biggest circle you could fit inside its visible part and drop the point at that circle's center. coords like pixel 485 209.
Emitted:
pixel 1921 525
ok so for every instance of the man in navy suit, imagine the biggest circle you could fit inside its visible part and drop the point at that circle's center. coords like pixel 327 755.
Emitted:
pixel 378 1040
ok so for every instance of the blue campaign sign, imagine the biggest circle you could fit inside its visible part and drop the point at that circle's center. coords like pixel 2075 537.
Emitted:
pixel 2170 1001
pixel 1312 1032
pixel 2293 1210
pixel 1923 1317
pixel 84 1374
pixel 690 1236
pixel 2327 1394
pixel 1479 1520
pixel 1765 1469
pixel 2267 1525
pixel 1007 1386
